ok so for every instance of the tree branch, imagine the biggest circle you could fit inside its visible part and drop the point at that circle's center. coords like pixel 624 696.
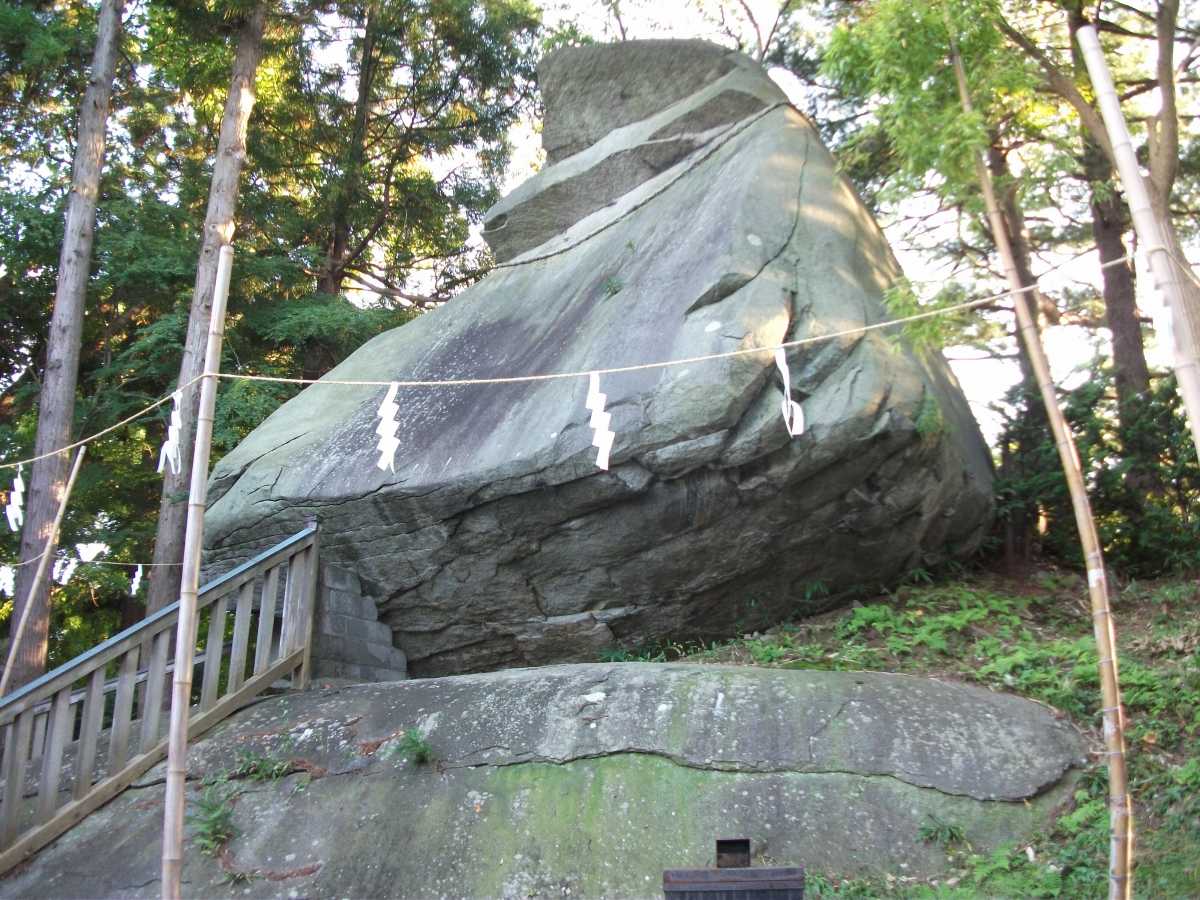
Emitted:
pixel 758 38
pixel 1141 13
pixel 1162 130
pixel 420 301
pixel 784 8
pixel 1113 28
pixel 1060 83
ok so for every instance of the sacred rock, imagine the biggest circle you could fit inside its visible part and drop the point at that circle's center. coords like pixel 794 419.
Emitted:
pixel 687 211
pixel 587 781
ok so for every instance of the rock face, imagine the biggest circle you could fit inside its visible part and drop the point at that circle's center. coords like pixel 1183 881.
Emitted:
pixel 589 780
pixel 688 211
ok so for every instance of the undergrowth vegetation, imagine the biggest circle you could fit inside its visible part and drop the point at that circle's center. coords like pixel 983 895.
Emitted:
pixel 1031 638
pixel 210 810
pixel 410 746
pixel 211 817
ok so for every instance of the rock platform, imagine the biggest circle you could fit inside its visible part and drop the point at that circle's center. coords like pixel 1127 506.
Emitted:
pixel 587 781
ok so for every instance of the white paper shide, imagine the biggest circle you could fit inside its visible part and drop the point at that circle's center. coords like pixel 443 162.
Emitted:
pixel 603 439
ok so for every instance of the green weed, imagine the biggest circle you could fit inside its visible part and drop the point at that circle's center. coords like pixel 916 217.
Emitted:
pixel 412 746
pixel 211 817
pixel 930 422
pixel 814 590
pixel 237 877
pixel 259 767
pixel 767 652
pixel 944 834
pixel 668 651
pixel 619 654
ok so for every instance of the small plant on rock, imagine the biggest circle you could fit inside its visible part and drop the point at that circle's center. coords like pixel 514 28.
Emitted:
pixel 236 877
pixel 258 767
pixel 411 746
pixel 211 818
pixel 942 833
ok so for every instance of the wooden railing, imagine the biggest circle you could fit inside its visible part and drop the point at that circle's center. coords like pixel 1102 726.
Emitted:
pixel 79 735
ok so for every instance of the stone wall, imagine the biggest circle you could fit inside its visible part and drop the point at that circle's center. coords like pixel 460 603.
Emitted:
pixel 349 641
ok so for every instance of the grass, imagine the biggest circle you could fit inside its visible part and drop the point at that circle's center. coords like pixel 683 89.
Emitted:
pixel 211 813
pixel 412 746
pixel 211 817
pixel 1030 637
pixel 258 767
pixel 944 834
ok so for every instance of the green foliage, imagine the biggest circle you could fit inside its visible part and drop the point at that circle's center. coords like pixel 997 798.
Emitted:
pixel 236 877
pixel 211 817
pixel 667 651
pixel 938 329
pixel 817 884
pixel 334 324
pixel 895 55
pixel 766 652
pixel 930 422
pixel 411 746
pixel 814 591
pixel 566 34
pixel 1143 480
pixel 612 286
pixel 259 767
pixel 620 654
pixel 945 834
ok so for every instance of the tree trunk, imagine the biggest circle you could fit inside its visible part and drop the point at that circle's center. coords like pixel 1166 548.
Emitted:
pixel 1022 461
pixel 218 230
pixel 1131 373
pixel 1150 198
pixel 1186 312
pixel 56 405
pixel 1109 221
pixel 338 257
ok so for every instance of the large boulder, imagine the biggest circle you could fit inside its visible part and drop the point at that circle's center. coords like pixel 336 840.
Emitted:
pixel 587 782
pixel 689 211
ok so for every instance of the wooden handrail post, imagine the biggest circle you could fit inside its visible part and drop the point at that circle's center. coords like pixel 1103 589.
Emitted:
pixel 308 613
pixel 185 634
pixel 27 711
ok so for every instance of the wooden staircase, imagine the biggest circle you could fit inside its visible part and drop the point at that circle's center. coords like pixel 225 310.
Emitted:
pixel 79 735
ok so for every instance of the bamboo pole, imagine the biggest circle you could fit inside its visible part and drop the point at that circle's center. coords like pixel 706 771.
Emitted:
pixel 1146 225
pixel 1120 812
pixel 185 634
pixel 40 575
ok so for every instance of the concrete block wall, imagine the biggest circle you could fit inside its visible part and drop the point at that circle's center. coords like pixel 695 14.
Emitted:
pixel 349 641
